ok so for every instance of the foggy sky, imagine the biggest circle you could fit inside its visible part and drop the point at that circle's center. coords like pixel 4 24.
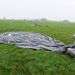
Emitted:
pixel 31 9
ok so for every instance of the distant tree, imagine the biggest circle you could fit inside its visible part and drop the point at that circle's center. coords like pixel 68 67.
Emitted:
pixel 43 19
pixel 12 18
pixel 4 18
pixel 66 21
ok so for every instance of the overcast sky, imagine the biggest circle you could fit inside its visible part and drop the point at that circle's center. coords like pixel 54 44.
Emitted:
pixel 31 9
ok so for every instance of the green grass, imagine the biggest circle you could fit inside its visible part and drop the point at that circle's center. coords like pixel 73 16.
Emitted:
pixel 19 61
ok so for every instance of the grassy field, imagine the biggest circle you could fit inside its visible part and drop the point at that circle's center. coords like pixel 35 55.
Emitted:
pixel 19 61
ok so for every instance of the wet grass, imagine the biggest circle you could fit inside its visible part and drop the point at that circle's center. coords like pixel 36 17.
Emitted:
pixel 19 61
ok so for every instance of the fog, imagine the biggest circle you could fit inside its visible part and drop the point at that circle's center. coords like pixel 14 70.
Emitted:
pixel 36 9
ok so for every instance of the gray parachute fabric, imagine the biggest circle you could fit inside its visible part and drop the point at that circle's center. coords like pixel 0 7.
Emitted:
pixel 33 40
pixel 30 40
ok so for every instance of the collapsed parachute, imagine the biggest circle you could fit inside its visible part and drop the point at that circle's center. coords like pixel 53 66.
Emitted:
pixel 36 41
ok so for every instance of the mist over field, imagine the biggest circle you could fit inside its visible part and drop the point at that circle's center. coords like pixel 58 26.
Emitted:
pixel 56 10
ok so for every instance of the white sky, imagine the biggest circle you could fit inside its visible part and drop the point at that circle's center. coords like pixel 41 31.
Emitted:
pixel 31 9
